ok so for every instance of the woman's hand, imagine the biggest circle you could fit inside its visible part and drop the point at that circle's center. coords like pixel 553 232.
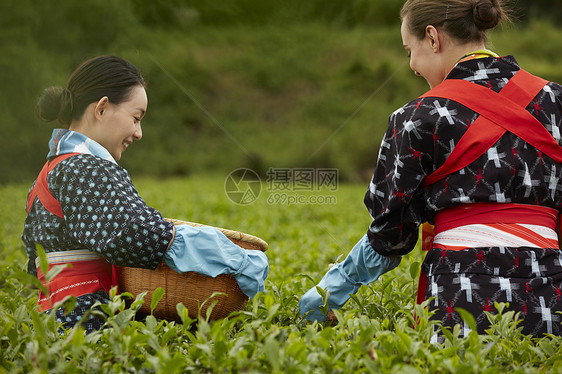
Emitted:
pixel 361 266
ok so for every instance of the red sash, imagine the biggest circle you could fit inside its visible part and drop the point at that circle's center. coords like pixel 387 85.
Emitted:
pixel 41 188
pixel 81 278
pixel 84 276
pixel 498 113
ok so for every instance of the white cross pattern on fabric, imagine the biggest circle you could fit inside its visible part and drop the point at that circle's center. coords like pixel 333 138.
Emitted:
pixel 376 229
pixel 552 181
pixel 499 196
pixel 434 292
pixel 546 314
pixel 548 90
pixel 443 112
pixel 505 285
pixel 385 144
pixel 451 146
pixel 397 111
pixel 435 336
pixel 504 82
pixel 373 189
pixel 462 198
pixel 554 128
pixel 434 288
pixel 465 329
pixel 410 126
pixel 466 285
pixel 527 181
pixel 535 267
pixel 493 155
pixel 482 73
pixel 397 164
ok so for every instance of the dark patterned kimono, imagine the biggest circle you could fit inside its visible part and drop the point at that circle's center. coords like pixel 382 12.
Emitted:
pixel 103 213
pixel 419 138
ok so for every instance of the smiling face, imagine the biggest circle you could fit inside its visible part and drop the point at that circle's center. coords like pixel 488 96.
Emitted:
pixel 120 124
pixel 424 57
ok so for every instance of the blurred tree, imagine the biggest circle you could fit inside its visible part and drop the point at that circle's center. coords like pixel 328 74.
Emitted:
pixel 225 49
pixel 41 43
pixel 529 9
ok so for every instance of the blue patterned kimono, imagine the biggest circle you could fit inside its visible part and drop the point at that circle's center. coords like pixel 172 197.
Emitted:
pixel 102 212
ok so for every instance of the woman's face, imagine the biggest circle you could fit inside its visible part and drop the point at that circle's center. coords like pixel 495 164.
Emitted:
pixel 424 60
pixel 121 123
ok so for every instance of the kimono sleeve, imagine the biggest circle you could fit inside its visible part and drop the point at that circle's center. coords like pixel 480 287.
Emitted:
pixel 395 197
pixel 104 212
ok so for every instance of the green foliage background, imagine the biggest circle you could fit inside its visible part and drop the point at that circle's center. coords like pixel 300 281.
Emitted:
pixel 375 330
pixel 235 83
pixel 251 83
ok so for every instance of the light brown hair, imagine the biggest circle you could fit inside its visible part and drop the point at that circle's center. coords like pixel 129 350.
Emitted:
pixel 465 20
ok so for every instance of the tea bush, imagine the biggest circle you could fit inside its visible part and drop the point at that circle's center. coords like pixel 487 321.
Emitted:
pixel 379 330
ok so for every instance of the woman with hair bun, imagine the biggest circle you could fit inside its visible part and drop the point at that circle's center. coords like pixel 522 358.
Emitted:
pixel 476 162
pixel 84 210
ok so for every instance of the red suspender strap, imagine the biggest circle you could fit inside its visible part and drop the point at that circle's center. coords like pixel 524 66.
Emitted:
pixel 498 113
pixel 33 193
pixel 41 188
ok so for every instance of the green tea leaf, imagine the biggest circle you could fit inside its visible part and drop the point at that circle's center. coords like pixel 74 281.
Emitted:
pixel 139 300
pixel 156 297
pixel 31 280
pixel 56 270
pixel 123 318
pixel 68 304
pixel 43 263
pixel 415 269
pixel 467 317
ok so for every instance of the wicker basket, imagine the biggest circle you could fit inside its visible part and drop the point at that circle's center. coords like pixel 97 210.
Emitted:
pixel 191 289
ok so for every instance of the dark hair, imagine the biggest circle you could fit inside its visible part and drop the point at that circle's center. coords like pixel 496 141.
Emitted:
pixel 100 76
pixel 465 20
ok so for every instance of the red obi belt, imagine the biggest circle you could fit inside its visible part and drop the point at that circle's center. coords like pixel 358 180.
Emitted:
pixel 87 272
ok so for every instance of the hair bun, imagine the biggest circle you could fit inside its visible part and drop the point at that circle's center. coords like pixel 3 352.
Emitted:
pixel 55 104
pixel 487 14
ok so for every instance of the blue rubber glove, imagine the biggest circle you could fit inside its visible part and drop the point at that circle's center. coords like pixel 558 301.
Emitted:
pixel 206 250
pixel 361 266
